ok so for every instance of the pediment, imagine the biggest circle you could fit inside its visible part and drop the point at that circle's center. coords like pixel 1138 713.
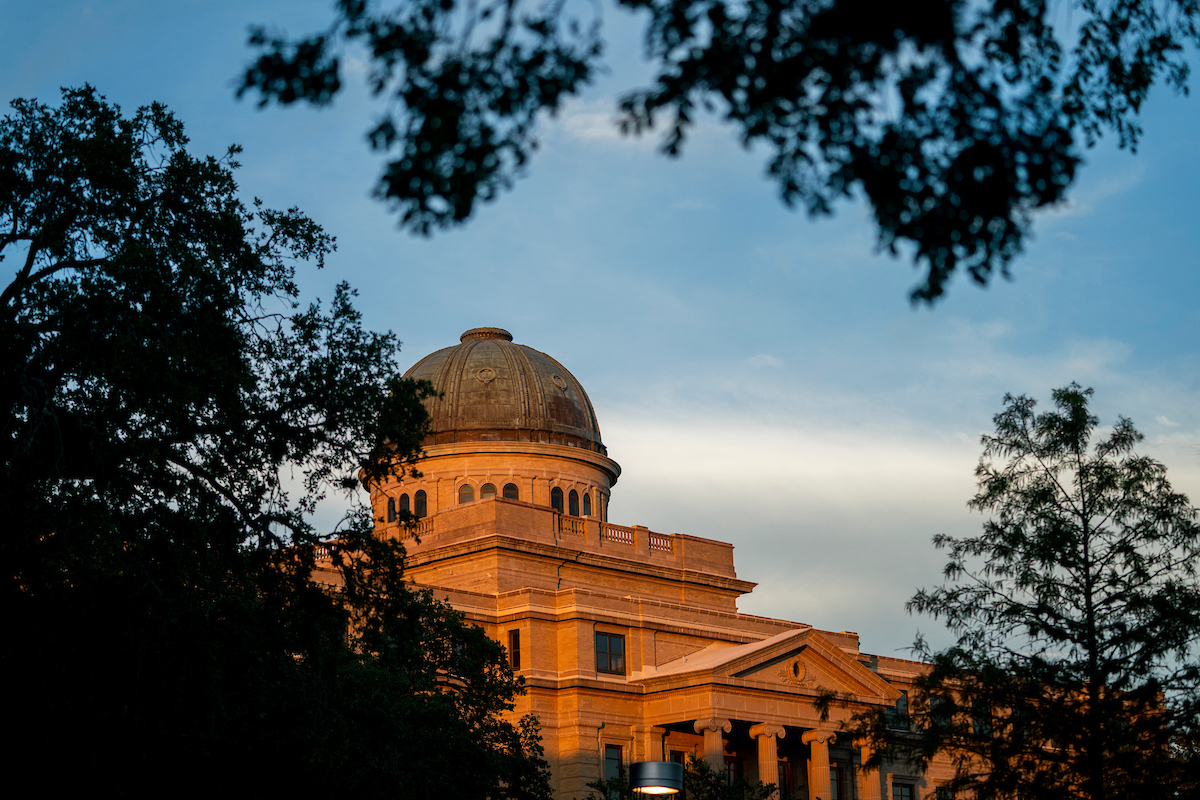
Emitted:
pixel 796 660
pixel 807 660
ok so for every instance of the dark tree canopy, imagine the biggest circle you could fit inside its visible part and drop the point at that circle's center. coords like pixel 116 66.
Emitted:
pixel 171 418
pixel 955 120
pixel 1076 671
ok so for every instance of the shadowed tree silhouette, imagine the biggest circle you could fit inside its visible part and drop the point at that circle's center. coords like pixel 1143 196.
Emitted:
pixel 955 120
pixel 1075 673
pixel 172 418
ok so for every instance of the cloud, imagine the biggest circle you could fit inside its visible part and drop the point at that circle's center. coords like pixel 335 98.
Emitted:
pixel 764 360
pixel 1161 420
pixel 1093 194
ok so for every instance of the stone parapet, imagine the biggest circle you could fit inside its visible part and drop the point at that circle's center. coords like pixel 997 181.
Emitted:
pixel 498 545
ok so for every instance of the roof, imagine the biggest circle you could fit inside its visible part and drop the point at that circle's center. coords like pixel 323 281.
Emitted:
pixel 492 389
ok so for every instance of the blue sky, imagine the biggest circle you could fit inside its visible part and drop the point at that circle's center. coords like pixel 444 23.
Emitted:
pixel 761 377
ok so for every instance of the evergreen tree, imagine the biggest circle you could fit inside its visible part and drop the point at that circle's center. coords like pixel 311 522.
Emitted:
pixel 1077 613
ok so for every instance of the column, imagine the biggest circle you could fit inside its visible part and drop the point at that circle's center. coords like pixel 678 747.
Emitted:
pixel 819 783
pixel 768 758
pixel 714 748
pixel 868 779
pixel 649 745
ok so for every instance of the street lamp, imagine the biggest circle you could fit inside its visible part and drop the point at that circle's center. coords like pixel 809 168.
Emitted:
pixel 656 777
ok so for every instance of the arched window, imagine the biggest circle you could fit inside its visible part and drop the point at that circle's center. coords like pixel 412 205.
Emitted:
pixel 510 492
pixel 465 494
pixel 419 500
pixel 391 512
pixel 404 509
pixel 587 504
pixel 573 503
pixel 556 499
pixel 486 491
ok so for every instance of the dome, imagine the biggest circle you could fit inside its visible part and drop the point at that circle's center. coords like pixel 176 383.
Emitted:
pixel 495 390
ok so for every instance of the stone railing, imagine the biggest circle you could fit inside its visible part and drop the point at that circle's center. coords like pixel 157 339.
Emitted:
pixel 522 520
pixel 616 533
pixel 571 525
pixel 660 542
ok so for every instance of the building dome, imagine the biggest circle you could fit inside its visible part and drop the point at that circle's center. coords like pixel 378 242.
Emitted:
pixel 494 390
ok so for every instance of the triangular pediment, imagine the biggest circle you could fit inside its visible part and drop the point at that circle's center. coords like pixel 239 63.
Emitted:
pixel 798 660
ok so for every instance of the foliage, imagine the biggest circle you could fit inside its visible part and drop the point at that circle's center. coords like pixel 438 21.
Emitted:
pixel 1075 672
pixel 955 120
pixel 700 782
pixel 172 417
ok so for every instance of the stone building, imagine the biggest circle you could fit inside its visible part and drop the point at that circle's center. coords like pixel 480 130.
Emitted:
pixel 630 641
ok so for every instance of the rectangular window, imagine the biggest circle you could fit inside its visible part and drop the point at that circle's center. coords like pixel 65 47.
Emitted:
pixel 944 793
pixel 981 719
pixel 610 653
pixel 514 650
pixel 786 782
pixel 837 781
pixel 903 791
pixel 612 762
pixel 678 756
pixel 897 718
pixel 734 770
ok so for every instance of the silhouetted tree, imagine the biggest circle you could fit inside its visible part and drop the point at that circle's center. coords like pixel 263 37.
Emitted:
pixel 1077 611
pixel 171 418
pixel 954 119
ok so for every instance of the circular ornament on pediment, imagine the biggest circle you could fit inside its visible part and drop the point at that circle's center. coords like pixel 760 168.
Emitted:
pixel 559 382
pixel 794 673
pixel 485 375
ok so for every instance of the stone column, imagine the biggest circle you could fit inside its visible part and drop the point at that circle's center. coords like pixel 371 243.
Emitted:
pixel 768 758
pixel 714 749
pixel 869 786
pixel 819 782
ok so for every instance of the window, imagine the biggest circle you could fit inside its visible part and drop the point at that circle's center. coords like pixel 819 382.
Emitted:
pixel 610 653
pixel 587 504
pixel 486 491
pixel 941 713
pixel 573 503
pixel 904 791
pixel 837 781
pixel 419 500
pixel 510 492
pixel 786 781
pixel 734 770
pixel 678 756
pixel 897 718
pixel 514 650
pixel 391 510
pixel 404 509
pixel 944 793
pixel 612 762
pixel 981 719
pixel 556 499
pixel 465 494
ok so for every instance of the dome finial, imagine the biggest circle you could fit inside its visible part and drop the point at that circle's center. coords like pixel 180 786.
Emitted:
pixel 486 333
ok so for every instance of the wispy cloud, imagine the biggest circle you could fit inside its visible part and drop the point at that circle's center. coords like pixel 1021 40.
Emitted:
pixel 764 360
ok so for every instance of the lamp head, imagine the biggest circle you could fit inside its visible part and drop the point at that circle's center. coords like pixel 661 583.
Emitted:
pixel 656 777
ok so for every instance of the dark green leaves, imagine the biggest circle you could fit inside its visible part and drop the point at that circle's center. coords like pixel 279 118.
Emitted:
pixel 172 416
pixel 955 121
pixel 1076 612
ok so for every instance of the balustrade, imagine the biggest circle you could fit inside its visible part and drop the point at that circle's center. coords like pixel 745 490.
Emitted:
pixel 571 525
pixel 616 533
